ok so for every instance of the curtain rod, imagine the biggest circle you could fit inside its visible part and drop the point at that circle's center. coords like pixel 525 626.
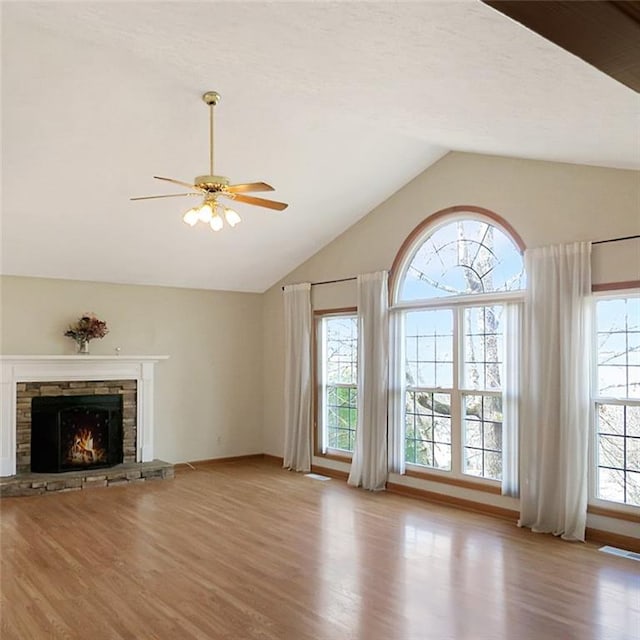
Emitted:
pixel 616 239
pixel 315 284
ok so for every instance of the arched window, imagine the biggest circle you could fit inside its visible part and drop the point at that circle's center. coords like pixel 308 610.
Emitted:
pixel 459 251
pixel 455 287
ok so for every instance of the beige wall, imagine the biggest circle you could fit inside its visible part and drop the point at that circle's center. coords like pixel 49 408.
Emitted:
pixel 546 203
pixel 208 394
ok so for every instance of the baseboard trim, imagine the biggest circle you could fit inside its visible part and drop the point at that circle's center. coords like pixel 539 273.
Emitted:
pixel 598 536
pixel 213 461
pixel 461 503
pixel 267 457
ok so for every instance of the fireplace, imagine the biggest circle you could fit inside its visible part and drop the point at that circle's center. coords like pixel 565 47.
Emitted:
pixel 76 432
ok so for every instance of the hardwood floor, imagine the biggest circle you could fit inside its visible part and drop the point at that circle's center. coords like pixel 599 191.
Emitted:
pixel 245 550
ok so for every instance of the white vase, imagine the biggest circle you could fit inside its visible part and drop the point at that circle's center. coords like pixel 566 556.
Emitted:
pixel 83 346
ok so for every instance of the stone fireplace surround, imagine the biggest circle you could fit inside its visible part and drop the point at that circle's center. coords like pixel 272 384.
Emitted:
pixel 26 391
pixel 132 376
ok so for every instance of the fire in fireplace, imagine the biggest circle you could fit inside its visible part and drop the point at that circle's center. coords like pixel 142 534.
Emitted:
pixel 75 432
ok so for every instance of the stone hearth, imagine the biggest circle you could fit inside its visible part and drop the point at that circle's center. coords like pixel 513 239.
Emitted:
pixel 28 484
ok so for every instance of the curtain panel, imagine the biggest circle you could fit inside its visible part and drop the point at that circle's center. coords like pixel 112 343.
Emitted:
pixel 556 398
pixel 297 377
pixel 369 467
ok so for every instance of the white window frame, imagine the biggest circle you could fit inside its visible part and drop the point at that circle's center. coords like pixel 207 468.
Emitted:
pixel 321 411
pixel 597 399
pixel 458 391
pixel 457 304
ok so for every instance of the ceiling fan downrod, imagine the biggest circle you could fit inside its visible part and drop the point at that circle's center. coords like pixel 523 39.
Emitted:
pixel 211 181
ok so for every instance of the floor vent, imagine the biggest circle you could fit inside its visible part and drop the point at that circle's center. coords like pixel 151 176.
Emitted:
pixel 623 553
pixel 317 476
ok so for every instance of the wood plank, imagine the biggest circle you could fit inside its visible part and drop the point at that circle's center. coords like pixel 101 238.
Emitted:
pixel 604 34
pixel 248 551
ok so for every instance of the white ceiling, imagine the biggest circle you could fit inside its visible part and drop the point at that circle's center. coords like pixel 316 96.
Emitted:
pixel 337 105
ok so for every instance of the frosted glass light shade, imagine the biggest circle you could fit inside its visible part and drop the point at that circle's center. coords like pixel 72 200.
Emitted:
pixel 216 223
pixel 231 217
pixel 191 217
pixel 205 213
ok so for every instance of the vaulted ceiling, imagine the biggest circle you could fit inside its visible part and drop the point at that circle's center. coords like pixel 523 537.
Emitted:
pixel 337 105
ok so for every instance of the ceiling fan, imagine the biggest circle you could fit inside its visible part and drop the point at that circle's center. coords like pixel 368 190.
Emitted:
pixel 212 187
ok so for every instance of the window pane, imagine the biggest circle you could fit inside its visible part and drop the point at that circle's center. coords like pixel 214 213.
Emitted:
pixel 611 419
pixel 611 451
pixel 473 434
pixel 493 436
pixel 633 488
pixel 633 421
pixel 442 430
pixel 340 372
pixel 483 435
pixel 483 348
pixel 424 453
pixel 342 416
pixel 633 348
pixel 618 347
pixel 463 257
pixel 618 452
pixel 473 461
pixel 611 484
pixel 633 454
pixel 612 381
pixel 341 349
pixel 442 456
pixel 429 348
pixel 633 382
pixel 492 465
pixel 428 429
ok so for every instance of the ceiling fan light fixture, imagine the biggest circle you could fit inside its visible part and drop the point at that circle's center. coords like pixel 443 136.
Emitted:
pixel 216 223
pixel 191 217
pixel 205 213
pixel 231 217
pixel 212 187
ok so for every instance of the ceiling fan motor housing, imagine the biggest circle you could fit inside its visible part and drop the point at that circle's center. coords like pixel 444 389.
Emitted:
pixel 211 183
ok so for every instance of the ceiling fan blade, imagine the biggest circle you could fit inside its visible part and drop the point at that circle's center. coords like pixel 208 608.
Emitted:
pixel 171 195
pixel 261 202
pixel 183 184
pixel 251 186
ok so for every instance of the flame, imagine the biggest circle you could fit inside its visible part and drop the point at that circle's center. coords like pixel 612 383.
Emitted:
pixel 82 451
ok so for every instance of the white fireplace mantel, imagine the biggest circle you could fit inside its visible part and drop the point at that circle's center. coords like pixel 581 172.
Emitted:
pixel 15 369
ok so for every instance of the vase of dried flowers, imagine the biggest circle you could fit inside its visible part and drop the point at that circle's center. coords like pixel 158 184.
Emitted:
pixel 87 328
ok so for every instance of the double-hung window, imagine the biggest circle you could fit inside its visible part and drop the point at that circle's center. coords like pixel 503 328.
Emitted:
pixel 337 383
pixel 456 302
pixel 453 372
pixel 616 393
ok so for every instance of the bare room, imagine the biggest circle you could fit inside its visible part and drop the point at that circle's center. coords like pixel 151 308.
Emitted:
pixel 320 320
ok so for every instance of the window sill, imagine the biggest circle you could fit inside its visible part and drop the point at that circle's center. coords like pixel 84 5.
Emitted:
pixel 612 512
pixel 457 482
pixel 332 454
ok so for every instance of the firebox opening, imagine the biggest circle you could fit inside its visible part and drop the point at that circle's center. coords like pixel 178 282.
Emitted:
pixel 76 432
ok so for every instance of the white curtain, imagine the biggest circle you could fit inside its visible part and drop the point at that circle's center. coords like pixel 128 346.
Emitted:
pixel 369 463
pixel 396 392
pixel 511 400
pixel 297 377
pixel 555 420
